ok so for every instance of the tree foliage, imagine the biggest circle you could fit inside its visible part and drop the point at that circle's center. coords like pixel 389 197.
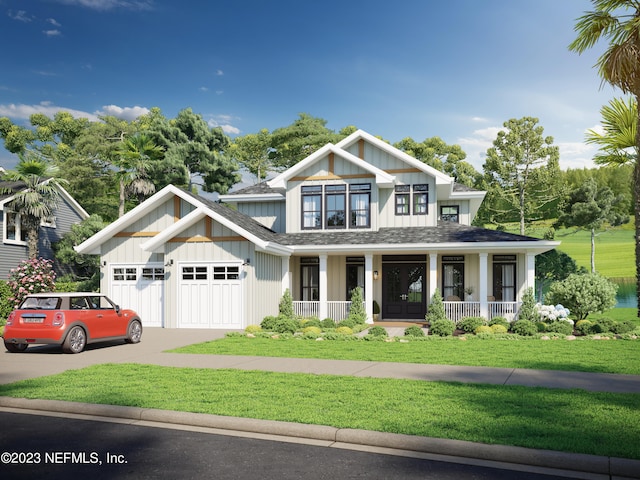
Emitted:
pixel 553 266
pixel 522 173
pixel 252 153
pixel 584 294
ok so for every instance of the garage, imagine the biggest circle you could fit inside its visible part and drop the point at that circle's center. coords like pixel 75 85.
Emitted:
pixel 141 288
pixel 210 295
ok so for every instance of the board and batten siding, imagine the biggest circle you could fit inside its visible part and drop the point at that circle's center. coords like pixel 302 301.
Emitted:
pixel 270 214
pixel 264 287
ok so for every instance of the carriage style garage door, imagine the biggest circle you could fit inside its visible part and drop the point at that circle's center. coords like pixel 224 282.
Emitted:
pixel 141 288
pixel 210 295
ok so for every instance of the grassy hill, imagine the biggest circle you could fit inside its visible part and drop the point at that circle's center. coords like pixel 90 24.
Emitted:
pixel 615 255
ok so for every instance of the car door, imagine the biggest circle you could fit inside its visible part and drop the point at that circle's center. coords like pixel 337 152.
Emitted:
pixel 110 322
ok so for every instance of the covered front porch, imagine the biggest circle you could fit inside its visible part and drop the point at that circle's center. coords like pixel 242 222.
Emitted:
pixel 399 287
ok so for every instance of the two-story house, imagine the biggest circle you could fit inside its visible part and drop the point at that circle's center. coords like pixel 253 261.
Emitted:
pixel 358 213
pixel 13 247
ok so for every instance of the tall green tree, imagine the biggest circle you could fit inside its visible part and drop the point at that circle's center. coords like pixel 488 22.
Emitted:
pixel 590 207
pixel 252 153
pixel 522 172
pixel 195 153
pixel 295 142
pixel 134 161
pixel 37 200
pixel 617 22
pixel 553 266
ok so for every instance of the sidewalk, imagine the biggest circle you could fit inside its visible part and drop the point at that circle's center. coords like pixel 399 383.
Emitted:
pixel 39 361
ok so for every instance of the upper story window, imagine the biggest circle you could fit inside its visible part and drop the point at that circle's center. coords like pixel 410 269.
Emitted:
pixel 336 206
pixel 312 207
pixel 404 199
pixel 450 213
pixel 360 205
pixel 420 199
pixel 13 231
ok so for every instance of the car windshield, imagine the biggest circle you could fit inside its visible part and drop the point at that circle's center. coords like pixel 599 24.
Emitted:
pixel 44 303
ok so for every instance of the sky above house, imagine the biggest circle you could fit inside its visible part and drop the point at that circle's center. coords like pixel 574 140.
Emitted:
pixel 456 69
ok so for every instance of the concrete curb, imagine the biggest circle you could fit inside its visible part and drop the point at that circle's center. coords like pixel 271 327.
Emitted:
pixel 570 462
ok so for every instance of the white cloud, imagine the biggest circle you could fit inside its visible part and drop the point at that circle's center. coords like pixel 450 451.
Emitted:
pixel 224 122
pixel 126 113
pixel 52 33
pixel 203 89
pixel 104 5
pixel 23 112
pixel 53 22
pixel 219 73
pixel 20 15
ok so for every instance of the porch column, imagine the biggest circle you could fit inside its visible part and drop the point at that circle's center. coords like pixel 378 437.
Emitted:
pixel 323 309
pixel 484 283
pixel 433 275
pixel 286 278
pixel 368 286
pixel 531 271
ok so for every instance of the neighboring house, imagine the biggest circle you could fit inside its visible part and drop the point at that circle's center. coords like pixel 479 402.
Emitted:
pixel 13 248
pixel 358 213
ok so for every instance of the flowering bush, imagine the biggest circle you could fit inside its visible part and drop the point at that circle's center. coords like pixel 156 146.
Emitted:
pixel 31 276
pixel 553 313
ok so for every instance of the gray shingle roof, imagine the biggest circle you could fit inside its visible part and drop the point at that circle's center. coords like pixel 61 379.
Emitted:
pixel 259 189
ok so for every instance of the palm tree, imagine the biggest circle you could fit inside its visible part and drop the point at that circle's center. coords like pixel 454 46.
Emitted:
pixel 134 162
pixel 619 22
pixel 37 197
pixel 618 142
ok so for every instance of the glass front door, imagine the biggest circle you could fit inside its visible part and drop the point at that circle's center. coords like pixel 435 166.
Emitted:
pixel 404 290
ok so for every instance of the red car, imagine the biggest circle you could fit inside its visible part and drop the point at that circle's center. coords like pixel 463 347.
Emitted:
pixel 71 320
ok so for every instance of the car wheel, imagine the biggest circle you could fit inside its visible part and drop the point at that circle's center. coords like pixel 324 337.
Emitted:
pixel 75 341
pixel 134 332
pixel 15 347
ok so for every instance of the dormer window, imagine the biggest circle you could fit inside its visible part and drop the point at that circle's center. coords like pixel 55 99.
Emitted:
pixel 404 199
pixel 450 213
pixel 326 206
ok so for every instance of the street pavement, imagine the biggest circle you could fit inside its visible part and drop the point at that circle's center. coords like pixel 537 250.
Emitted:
pixel 46 360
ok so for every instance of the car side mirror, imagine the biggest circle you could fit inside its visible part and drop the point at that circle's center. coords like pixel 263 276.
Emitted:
pixel 117 308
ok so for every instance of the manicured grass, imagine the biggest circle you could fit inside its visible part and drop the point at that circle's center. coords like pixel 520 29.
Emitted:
pixel 610 356
pixel 617 314
pixel 562 420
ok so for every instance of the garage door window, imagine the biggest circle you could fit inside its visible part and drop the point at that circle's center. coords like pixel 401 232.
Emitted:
pixel 151 274
pixel 194 273
pixel 226 273
pixel 125 274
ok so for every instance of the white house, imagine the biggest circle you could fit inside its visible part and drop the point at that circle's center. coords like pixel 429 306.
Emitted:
pixel 358 213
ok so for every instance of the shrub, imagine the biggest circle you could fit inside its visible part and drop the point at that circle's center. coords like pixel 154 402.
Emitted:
pixel 286 305
pixel 584 327
pixel 378 331
pixel 625 326
pixel 584 294
pixel 253 328
pixel 268 323
pixel 560 326
pixel 500 321
pixel 31 276
pixel 541 326
pixel 413 331
pixel 6 306
pixel 498 328
pixel 344 330
pixel 603 325
pixel 310 322
pixel 357 312
pixel 443 327
pixel 470 324
pixel 347 322
pixel 327 323
pixel 436 309
pixel 528 310
pixel 285 325
pixel 524 327
pixel 312 329
pixel 483 329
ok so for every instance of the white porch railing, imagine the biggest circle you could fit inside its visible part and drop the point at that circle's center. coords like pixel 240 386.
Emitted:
pixel 336 310
pixel 508 310
pixel 458 310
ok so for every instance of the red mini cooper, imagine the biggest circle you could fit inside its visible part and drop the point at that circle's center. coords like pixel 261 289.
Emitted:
pixel 71 320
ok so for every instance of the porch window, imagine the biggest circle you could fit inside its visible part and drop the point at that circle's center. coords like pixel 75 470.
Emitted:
pixel 355 274
pixel 335 206
pixel 453 278
pixel 504 278
pixel 450 213
pixel 402 199
pixel 360 205
pixel 312 207
pixel 310 279
pixel 420 199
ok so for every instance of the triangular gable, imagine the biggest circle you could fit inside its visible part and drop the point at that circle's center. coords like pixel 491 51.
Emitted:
pixel 383 179
pixel 63 193
pixel 440 177
pixel 92 244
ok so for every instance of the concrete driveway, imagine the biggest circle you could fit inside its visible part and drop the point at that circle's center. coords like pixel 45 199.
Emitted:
pixel 41 360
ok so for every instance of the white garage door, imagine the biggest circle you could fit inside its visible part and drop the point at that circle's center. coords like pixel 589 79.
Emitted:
pixel 141 288
pixel 210 295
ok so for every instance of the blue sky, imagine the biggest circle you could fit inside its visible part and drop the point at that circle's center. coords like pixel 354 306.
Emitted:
pixel 408 68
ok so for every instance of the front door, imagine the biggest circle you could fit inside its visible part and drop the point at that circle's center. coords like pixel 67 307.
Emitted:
pixel 403 290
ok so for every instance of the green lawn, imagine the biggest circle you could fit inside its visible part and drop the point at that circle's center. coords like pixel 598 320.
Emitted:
pixel 554 419
pixel 607 356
